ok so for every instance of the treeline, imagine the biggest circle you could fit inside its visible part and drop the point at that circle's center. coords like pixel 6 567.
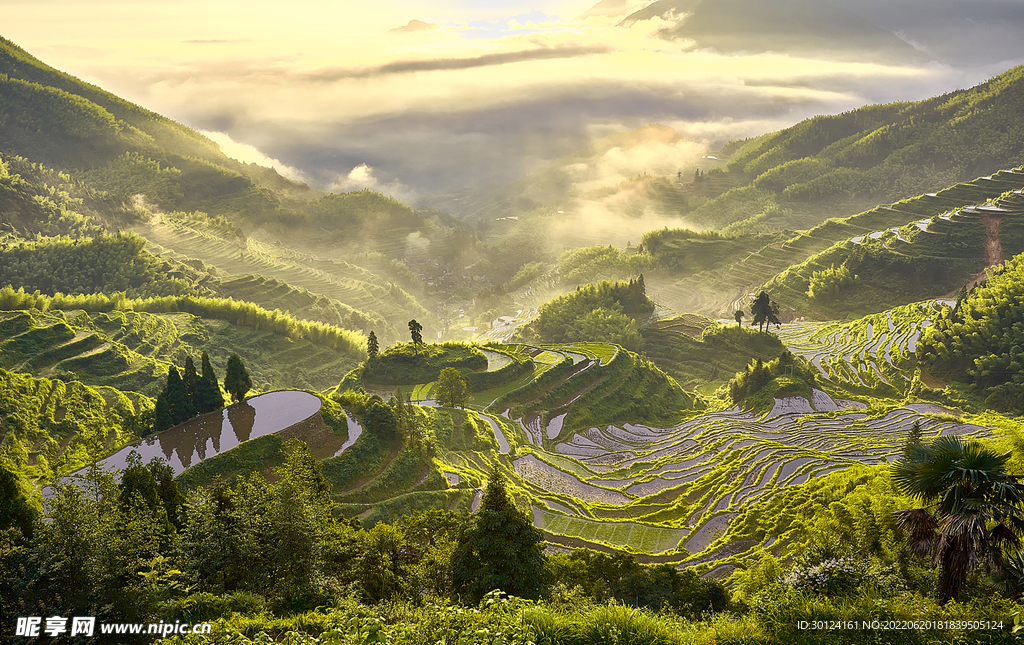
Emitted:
pixel 365 209
pixel 602 312
pixel 134 548
pixel 243 314
pixel 35 200
pixel 187 394
pixel 981 338
pixel 299 302
pixel 590 264
pixel 826 285
pixel 421 362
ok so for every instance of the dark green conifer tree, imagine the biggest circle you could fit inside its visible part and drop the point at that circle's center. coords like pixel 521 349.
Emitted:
pixel 211 399
pixel 191 379
pixel 162 419
pixel 236 378
pixel 178 400
pixel 500 549
pixel 372 347
pixel 414 330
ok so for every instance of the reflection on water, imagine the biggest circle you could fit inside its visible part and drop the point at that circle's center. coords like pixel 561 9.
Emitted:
pixel 203 437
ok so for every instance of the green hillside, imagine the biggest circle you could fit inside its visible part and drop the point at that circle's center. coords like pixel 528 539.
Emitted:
pixel 881 152
pixel 713 274
pixel 927 258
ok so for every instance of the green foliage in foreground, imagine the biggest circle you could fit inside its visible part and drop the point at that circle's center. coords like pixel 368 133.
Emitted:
pixel 499 549
pixel 568 619
pixel 973 508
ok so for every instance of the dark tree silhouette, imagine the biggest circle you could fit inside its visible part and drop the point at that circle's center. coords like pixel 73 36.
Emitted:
pixel 500 548
pixel 210 398
pixel 236 378
pixel 414 329
pixel 178 400
pixel 738 316
pixel 372 348
pixel 765 311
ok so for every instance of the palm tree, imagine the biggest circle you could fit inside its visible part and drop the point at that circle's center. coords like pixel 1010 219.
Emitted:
pixel 974 509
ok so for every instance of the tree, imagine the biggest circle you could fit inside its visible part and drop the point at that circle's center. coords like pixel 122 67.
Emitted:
pixel 191 380
pixel 372 348
pixel 738 317
pixel 913 440
pixel 974 511
pixel 210 397
pixel 414 329
pixel 381 420
pixel 500 548
pixel 16 508
pixel 178 401
pixel 764 311
pixel 162 419
pixel 452 390
pixel 236 379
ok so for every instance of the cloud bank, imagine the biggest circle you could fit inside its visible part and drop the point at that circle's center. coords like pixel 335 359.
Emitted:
pixel 334 95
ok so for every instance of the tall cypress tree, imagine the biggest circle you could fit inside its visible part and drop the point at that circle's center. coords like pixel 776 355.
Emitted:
pixel 192 384
pixel 236 378
pixel 162 413
pixel 177 398
pixel 211 399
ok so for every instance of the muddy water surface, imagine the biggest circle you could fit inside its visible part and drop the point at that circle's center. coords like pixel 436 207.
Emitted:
pixel 186 445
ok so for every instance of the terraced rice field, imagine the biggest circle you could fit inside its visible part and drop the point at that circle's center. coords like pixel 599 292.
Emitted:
pixel 694 477
pixel 874 349
pixel 719 292
pixel 675 491
pixel 349 284
pixel 132 351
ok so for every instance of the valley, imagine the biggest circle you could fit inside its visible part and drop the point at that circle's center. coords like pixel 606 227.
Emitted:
pixel 791 391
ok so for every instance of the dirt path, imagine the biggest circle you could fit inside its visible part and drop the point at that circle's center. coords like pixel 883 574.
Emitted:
pixel 993 247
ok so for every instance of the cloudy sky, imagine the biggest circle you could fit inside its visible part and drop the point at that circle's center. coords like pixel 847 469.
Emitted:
pixel 415 98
